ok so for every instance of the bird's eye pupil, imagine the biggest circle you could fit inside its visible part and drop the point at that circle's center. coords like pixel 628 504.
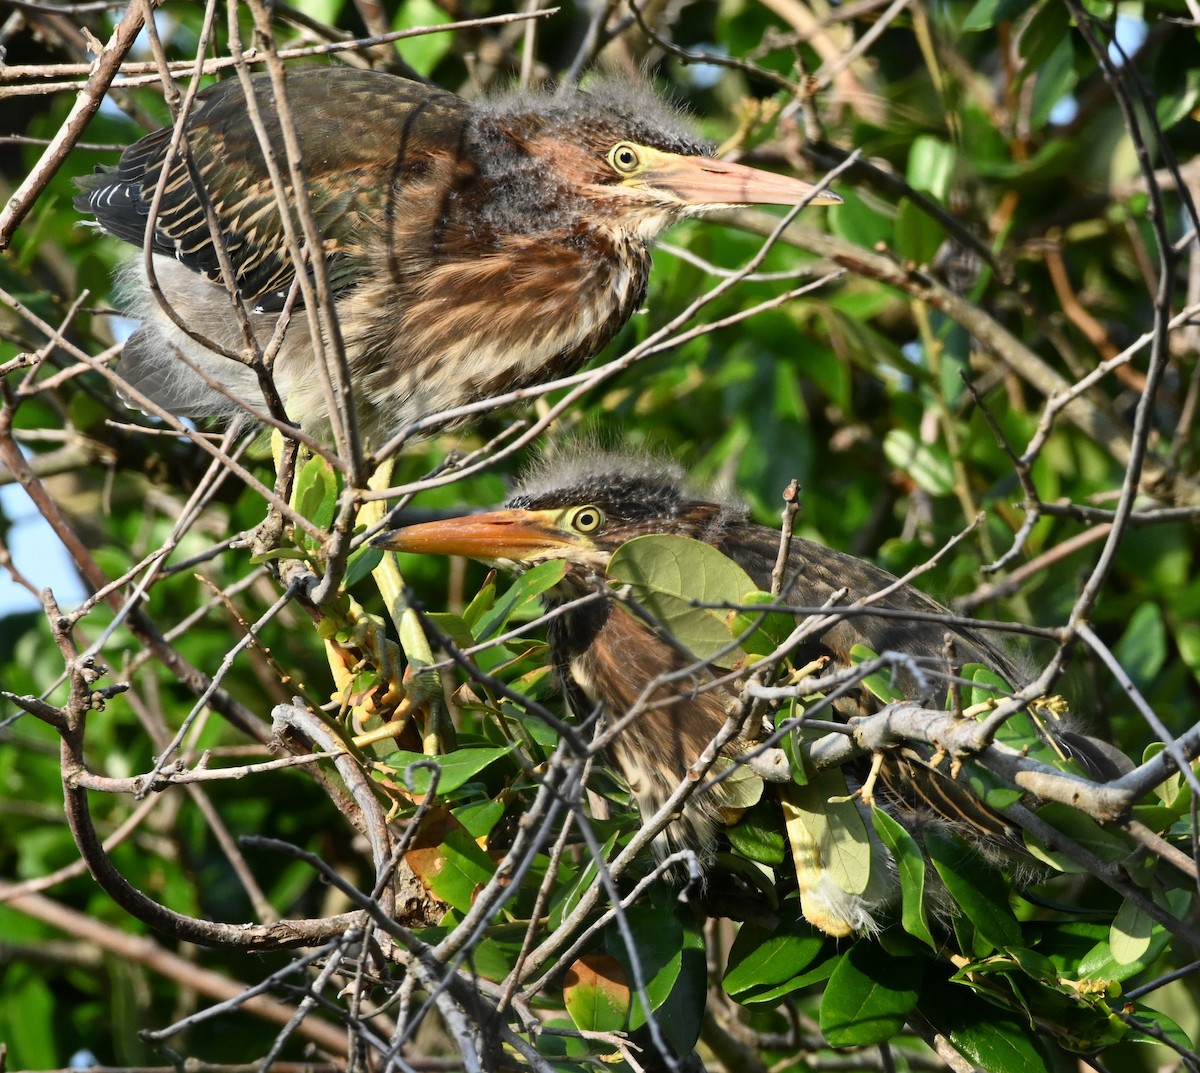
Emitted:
pixel 588 520
pixel 625 158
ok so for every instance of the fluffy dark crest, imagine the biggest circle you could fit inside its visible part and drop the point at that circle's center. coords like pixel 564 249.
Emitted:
pixel 624 107
pixel 628 487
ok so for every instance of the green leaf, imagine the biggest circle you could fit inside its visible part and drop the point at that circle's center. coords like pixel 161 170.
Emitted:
pixel 857 220
pixel 29 1019
pixel 315 495
pixel 999 1044
pixel 928 464
pixel 761 957
pixel 567 899
pixel 482 601
pixel 658 940
pixel 455 768
pixel 917 235
pixel 529 586
pixel 1042 35
pixel 986 13
pixel 1130 934
pixel 596 994
pixel 1142 649
pixel 770 629
pixel 681 1016
pixel 1081 828
pixel 1100 965
pixel 479 817
pixel 879 683
pixel 423 53
pixel 910 864
pixel 1056 76
pixel 987 1037
pixel 1178 91
pixel 668 574
pixel 869 996
pixel 360 564
pixel 976 889
pixel 836 827
pixel 448 860
pixel 1154 1019
pixel 931 166
pixel 454 627
pixel 758 835
pixel 741 788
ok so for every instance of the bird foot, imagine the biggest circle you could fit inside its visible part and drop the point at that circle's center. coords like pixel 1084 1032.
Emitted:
pixel 368 683
pixel 866 792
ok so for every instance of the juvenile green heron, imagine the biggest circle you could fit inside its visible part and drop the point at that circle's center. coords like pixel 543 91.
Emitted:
pixel 473 247
pixel 582 510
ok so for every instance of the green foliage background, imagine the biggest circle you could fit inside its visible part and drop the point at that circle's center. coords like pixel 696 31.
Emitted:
pixel 995 159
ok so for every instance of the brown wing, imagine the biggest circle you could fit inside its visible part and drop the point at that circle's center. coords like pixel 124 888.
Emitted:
pixel 362 134
pixel 815 572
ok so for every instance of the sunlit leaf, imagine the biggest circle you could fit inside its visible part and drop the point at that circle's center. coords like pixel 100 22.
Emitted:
pixel 315 494
pixel 526 588
pixel 760 957
pixel 448 861
pixel 669 574
pixel 927 464
pixel 453 769
pixel 596 994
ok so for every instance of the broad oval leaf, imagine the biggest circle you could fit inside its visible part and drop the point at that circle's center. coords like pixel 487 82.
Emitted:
pixel 658 941
pixel 758 632
pixel 668 575
pixel 596 994
pixel 761 958
pixel 448 861
pixel 315 495
pixel 869 996
pixel 1130 934
pixel 927 464
pixel 835 827
pixel 456 768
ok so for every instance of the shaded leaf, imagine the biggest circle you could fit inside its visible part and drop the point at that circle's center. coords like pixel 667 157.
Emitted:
pixel 975 888
pixel 910 864
pixel 657 940
pixel 869 996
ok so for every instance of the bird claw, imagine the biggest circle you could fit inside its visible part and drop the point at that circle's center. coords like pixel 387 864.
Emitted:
pixel 866 792
pixel 373 695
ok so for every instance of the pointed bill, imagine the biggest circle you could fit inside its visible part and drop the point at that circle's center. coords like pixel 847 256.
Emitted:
pixel 503 535
pixel 706 181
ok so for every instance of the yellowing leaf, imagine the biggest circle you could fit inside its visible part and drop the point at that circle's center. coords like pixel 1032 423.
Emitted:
pixel 596 994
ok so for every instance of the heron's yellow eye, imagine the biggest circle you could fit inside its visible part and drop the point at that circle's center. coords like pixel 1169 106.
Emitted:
pixel 586 519
pixel 625 158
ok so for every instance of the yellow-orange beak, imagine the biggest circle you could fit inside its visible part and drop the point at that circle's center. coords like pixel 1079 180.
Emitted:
pixel 503 535
pixel 702 181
